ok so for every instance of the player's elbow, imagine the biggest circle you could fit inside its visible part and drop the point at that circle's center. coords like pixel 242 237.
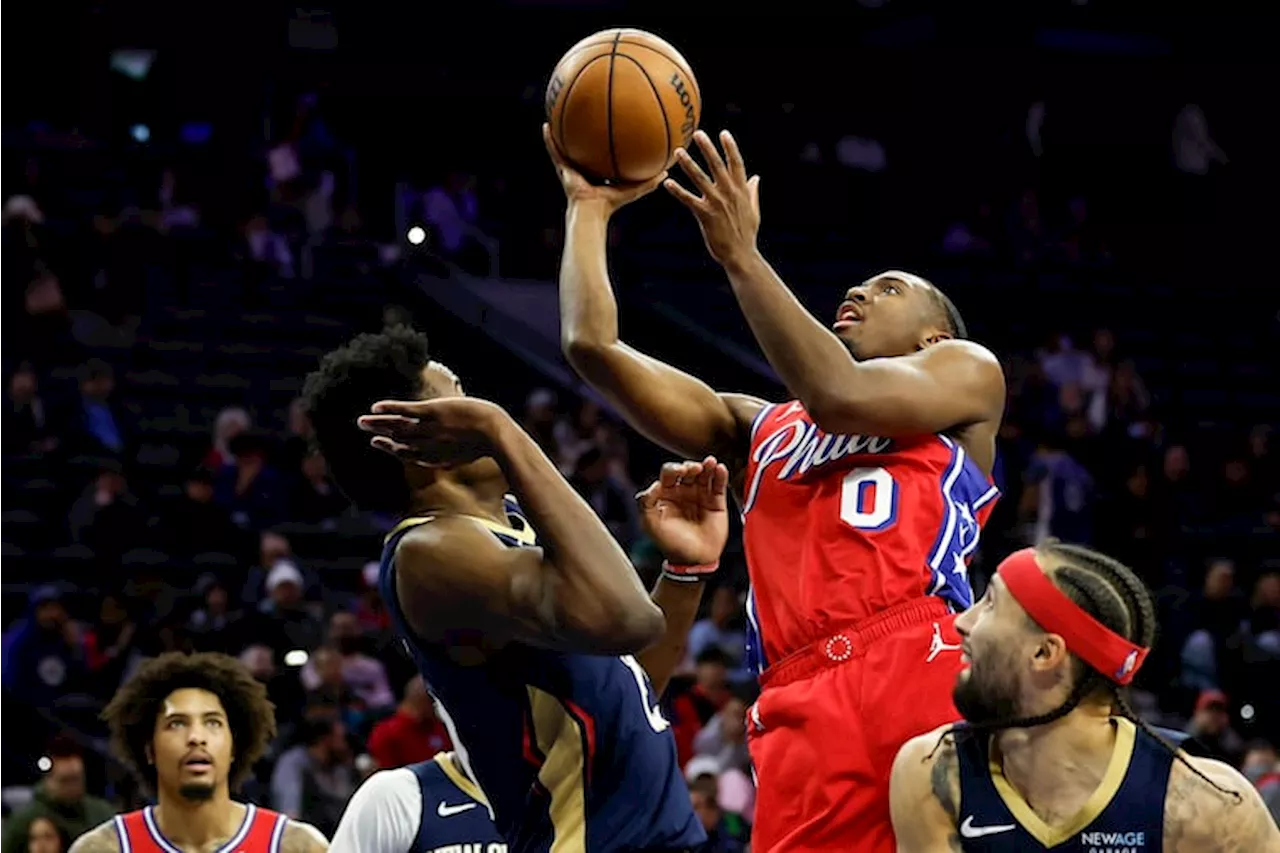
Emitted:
pixel 629 629
pixel 582 349
pixel 622 629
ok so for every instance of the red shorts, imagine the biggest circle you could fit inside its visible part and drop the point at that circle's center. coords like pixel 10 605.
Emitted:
pixel 826 728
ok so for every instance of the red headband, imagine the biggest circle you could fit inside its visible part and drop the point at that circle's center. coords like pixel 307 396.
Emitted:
pixel 1097 645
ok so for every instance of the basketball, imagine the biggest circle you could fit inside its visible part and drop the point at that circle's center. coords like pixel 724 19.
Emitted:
pixel 620 103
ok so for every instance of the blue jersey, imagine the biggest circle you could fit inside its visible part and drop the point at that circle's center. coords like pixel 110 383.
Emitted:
pixel 1124 815
pixel 429 807
pixel 570 750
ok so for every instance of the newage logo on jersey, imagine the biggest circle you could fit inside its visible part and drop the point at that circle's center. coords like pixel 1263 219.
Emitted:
pixel 1113 842
pixel 480 847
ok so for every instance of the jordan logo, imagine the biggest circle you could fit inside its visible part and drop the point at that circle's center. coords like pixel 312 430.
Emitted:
pixel 937 647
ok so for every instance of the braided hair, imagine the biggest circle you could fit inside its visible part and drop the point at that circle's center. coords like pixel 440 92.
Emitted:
pixel 1112 593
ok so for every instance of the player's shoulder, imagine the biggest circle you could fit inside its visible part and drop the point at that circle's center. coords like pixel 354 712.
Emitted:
pixel 744 407
pixel 103 838
pixel 1209 805
pixel 387 787
pixel 301 837
pixel 918 757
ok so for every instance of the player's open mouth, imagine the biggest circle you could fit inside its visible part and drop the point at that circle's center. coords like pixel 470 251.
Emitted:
pixel 198 762
pixel 847 316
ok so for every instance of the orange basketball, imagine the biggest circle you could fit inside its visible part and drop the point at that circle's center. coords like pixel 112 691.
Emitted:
pixel 620 103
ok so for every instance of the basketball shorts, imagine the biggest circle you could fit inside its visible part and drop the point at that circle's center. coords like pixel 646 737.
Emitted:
pixel 830 719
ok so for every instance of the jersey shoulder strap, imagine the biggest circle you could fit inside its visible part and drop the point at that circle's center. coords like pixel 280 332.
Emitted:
pixel 133 834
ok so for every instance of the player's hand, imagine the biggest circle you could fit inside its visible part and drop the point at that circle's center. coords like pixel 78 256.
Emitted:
pixel 686 511
pixel 435 433
pixel 726 202
pixel 578 190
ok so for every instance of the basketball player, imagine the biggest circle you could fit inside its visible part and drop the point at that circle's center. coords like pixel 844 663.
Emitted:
pixel 526 639
pixel 428 807
pixel 191 727
pixel 1050 755
pixel 862 499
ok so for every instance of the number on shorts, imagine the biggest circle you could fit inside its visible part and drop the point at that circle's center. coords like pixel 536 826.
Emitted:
pixel 869 499
pixel 652 713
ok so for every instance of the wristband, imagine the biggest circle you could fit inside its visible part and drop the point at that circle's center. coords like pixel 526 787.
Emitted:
pixel 688 574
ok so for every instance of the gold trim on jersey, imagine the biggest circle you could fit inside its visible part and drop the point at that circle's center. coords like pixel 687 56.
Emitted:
pixel 1112 778
pixel 559 737
pixel 524 535
pixel 458 778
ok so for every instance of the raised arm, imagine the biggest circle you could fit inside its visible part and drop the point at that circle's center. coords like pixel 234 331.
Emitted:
pixel 686 513
pixel 667 406
pixel 951 384
pixel 924 795
pixel 578 592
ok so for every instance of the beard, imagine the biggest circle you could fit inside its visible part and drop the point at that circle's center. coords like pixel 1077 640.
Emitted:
pixel 196 792
pixel 986 694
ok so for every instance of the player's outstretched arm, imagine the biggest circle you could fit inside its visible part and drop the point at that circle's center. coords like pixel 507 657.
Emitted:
pixel 1199 818
pixel 667 406
pixel 301 837
pixel 101 839
pixel 924 795
pixel 686 513
pixel 579 592
pixel 952 384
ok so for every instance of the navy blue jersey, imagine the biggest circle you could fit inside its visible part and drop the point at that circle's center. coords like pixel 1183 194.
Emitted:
pixel 1125 813
pixel 429 807
pixel 570 750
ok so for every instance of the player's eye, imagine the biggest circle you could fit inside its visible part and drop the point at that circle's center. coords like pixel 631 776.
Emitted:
pixel 175 724
pixel 891 288
pixel 216 724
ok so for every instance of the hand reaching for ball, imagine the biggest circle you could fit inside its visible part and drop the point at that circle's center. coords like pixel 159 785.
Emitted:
pixel 578 189
pixel 728 209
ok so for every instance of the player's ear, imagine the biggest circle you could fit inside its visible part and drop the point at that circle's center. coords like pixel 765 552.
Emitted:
pixel 933 336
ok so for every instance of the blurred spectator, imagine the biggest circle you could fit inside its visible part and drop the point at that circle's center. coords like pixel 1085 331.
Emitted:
pixel 44 653
pixel 577 436
pixel 265 252
pixel 727 832
pixel 371 611
pixel 98 427
pixel 26 421
pixel 272 548
pixel 231 422
pixel 195 524
pixel 332 695
pixel 298 437
pixel 1057 500
pixel 1194 150
pixel 214 625
pixel 285 622
pixel 45 836
pixel 109 645
pixel 315 497
pixel 413 733
pixel 366 676
pixel 615 505
pixel 1261 766
pixel 60 797
pixel 719 629
pixel 724 737
pixel 250 489
pixel 1215 613
pixel 691 710
pixel 107 517
pixel 539 419
pixel 1210 729
pixel 313 781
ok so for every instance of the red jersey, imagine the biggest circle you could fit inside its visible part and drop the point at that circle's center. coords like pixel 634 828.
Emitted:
pixel 260 832
pixel 841 527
